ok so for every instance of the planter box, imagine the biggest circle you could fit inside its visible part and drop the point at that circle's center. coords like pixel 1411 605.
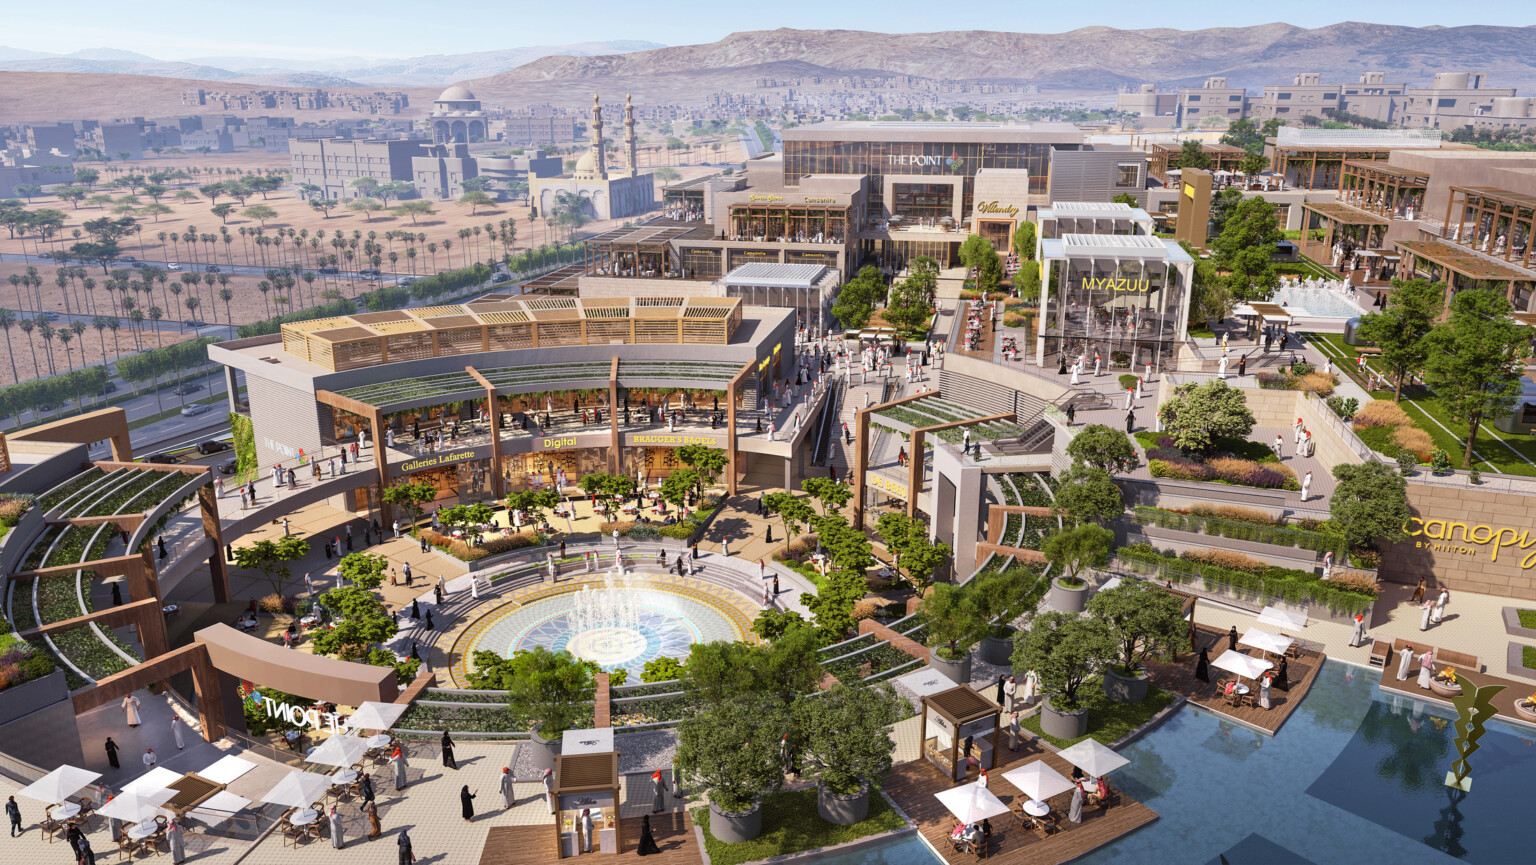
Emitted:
pixel 1125 689
pixel 1515 661
pixel 1512 624
pixel 28 697
pixel 1067 599
pixel 958 672
pixel 733 828
pixel 844 810
pixel 1063 725
pixel 996 651
pixel 540 751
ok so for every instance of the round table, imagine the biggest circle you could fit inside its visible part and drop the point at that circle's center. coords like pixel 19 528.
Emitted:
pixel 304 817
pixel 1035 809
pixel 309 621
pixel 380 741
pixel 140 831
pixel 170 609
pixel 344 776
pixel 65 811
pixel 1241 689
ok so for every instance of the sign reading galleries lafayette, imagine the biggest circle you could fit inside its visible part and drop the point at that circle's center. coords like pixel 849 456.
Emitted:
pixel 1469 539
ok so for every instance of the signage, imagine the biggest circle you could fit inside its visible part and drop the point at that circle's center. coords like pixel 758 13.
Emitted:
pixel 553 444
pixel 1115 283
pixel 1189 191
pixel 939 722
pixel 765 198
pixel 297 715
pixel 776 349
pixel 673 439
pixel 753 253
pixel 763 364
pixel 826 200
pixel 998 208
pixel 1477 536
pixel 813 254
pixel 279 447
pixel 436 460
pixel 578 801
pixel 886 485
pixel 921 160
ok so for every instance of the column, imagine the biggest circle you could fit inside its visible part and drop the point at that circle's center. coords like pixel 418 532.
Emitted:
pixel 209 502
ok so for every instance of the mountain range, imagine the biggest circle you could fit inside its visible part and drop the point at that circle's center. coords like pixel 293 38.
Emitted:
pixel 425 71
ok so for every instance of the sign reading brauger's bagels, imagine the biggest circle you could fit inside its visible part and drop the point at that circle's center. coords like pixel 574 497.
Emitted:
pixel 1441 535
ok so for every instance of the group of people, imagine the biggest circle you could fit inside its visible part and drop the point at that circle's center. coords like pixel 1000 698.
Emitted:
pixel 979 316
pixel 1432 611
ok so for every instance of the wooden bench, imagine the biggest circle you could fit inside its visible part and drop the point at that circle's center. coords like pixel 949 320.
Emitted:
pixel 1442 656
pixel 1367 349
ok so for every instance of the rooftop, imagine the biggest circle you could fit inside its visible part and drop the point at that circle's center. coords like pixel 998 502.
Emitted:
pixel 1114 246
pixel 1295 136
pixel 774 274
pixel 1460 260
pixel 880 130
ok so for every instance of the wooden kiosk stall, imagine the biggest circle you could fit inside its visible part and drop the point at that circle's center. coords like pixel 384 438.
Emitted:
pixel 954 716
pixel 587 777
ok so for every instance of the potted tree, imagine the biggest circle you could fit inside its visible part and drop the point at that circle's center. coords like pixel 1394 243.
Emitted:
pixel 731 752
pixel 1065 650
pixel 1003 596
pixel 1140 617
pixel 955 621
pixel 845 738
pixel 1072 551
pixel 553 687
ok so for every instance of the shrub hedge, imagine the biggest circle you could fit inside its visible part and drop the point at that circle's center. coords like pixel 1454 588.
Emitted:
pixel 1292 586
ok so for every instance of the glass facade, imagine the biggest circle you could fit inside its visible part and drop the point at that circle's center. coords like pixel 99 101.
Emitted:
pixel 789 224
pixel 879 158
pixel 922 200
pixel 1126 311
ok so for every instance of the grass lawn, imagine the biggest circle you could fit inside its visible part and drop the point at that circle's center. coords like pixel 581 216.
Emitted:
pixel 1108 721
pixel 791 824
pixel 1528 656
pixel 1527 618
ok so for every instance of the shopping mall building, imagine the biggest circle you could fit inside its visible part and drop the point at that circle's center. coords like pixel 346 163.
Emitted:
pixel 549 371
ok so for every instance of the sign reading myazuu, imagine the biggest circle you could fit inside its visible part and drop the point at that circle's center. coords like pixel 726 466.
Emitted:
pixel 1114 283
pixel 1477 536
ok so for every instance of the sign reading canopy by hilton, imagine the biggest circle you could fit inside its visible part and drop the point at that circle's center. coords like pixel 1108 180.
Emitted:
pixel 1443 536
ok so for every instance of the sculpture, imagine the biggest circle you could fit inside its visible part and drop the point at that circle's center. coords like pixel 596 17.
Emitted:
pixel 1474 707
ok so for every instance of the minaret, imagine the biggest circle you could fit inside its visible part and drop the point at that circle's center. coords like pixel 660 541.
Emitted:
pixel 629 135
pixel 599 165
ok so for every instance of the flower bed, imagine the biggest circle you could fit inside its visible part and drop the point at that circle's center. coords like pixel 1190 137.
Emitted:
pixel 13 506
pixel 1292 586
pixel 1273 533
pixel 1234 461
pixel 1319 383
pixel 489 546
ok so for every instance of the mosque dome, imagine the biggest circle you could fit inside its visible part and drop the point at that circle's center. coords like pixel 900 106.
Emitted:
pixel 456 93
pixel 586 164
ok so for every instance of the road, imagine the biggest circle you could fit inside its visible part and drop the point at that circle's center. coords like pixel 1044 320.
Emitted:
pixel 188 267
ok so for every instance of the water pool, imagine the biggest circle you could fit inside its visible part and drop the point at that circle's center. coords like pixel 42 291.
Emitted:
pixel 1319 303
pixel 1355 775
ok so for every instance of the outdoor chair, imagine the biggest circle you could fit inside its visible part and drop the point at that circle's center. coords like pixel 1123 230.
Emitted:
pixel 978 850
pixel 291 832
pixel 50 827
pixel 85 814
pixel 126 847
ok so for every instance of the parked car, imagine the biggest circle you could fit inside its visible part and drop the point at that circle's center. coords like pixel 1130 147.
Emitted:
pixel 165 459
pixel 329 270
pixel 50 315
pixel 126 258
pixel 138 264
pixel 110 388
pixel 212 446
pixel 189 387
pixel 173 266
pixel 194 322
pixel 193 410
pixel 405 280
pixel 228 466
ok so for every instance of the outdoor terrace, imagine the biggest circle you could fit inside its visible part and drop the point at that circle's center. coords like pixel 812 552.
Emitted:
pixel 1178 676
pixel 508 381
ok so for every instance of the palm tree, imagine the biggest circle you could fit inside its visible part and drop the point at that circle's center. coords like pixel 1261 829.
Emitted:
pixel 100 323
pixel 46 331
pixel 226 295
pixel 448 250
pixel 192 304
pixel 64 338
pixel 264 287
pixel 114 323
pixel 8 318
pixel 155 314
pixel 78 329
pixel 26 326
pixel 90 288
pixel 137 318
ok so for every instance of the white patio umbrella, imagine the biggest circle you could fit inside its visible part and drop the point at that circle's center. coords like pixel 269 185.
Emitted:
pixel 134 806
pixel 1092 757
pixel 1037 780
pixel 1262 639
pixel 1278 618
pixel 1245 666
pixel 971 802
pixel 374 715
pixel 58 785
pixel 342 750
pixel 298 789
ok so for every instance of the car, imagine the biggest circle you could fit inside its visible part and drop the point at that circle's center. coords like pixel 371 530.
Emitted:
pixel 111 387
pixel 50 315
pixel 228 466
pixel 47 406
pixel 173 266
pixel 189 387
pixel 194 322
pixel 330 270
pixel 405 280
pixel 212 446
pixel 45 255
pixel 163 459
pixel 138 264
pixel 212 268
pixel 193 410
pixel 126 258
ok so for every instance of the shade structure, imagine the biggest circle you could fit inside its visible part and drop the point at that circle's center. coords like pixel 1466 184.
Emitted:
pixel 218 808
pixel 374 715
pixel 1037 780
pixel 1277 618
pixel 1261 639
pixel 135 806
pixel 1092 757
pixel 227 770
pixel 1246 666
pixel 342 750
pixel 971 802
pixel 155 779
pixel 58 785
pixel 298 789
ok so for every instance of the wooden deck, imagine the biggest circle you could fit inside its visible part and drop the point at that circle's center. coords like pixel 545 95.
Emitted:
pixel 913 785
pixel 1504 701
pixel 1178 676
pixel 535 845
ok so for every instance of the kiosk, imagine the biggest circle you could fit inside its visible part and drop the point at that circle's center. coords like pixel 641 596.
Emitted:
pixel 953 716
pixel 587 777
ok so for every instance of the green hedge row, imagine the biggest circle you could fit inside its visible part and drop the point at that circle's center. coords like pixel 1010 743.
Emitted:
pixel 1285 537
pixel 1292 586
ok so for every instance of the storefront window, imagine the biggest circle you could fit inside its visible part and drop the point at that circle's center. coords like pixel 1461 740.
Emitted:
pixel 1127 312
pixel 923 200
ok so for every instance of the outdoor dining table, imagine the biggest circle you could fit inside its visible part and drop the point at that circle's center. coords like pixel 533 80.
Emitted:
pixel 344 776
pixel 65 811
pixel 380 741
pixel 303 817
pixel 140 831
pixel 1035 809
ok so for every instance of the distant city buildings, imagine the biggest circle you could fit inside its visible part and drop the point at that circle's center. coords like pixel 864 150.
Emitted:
pixel 309 99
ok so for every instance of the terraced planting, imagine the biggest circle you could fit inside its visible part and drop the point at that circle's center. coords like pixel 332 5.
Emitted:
pixel 56 496
pixel 1027 489
pixel 67 596
pixel 83 497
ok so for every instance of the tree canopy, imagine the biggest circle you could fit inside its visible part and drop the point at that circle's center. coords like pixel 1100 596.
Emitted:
pixel 1245 248
pixel 1369 504
pixel 731 750
pixel 1399 330
pixel 1142 618
pixel 1475 360
pixel 1065 650
pixel 1199 414
pixel 844 735
pixel 1100 446
pixel 1079 548
pixel 1088 494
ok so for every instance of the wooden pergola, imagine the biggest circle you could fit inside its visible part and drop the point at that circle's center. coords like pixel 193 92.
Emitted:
pixel 1320 167
pixel 1460 269
pixel 1224 157
pixel 959 714
pixel 1493 221
pixel 588 781
pixel 1383 189
pixel 1339 222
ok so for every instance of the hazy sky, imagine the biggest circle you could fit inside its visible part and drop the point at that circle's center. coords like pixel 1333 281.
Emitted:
pixel 399 28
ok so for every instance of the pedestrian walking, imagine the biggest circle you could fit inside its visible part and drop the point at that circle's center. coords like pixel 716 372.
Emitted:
pixel 448 760
pixel 659 800
pixel 175 840
pixel 467 802
pixel 149 758
pixel 549 788
pixel 13 811
pixel 111 747
pixel 407 855
pixel 130 706
pixel 338 833
pixel 508 796
pixel 365 785
pixel 1358 636
pixel 176 732
pixel 397 761
pixel 372 811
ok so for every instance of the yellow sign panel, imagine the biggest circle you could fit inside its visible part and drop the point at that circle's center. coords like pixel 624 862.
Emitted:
pixel 1189 190
pixel 439 460
pixel 765 198
pixel 810 200
pixel 1477 536
pixel 556 444
pixel 886 485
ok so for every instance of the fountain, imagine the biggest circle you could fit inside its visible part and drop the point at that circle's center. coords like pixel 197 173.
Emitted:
pixel 611 605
